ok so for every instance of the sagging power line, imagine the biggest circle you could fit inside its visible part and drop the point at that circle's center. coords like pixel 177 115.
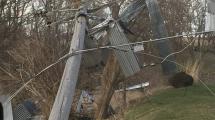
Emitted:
pixel 94 49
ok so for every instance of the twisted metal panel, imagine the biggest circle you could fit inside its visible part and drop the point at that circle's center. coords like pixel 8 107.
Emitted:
pixel 127 59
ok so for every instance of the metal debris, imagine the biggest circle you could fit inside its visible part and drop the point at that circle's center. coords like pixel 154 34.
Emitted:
pixel 127 60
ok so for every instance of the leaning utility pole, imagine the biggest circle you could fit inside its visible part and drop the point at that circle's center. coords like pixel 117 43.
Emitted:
pixel 159 30
pixel 63 101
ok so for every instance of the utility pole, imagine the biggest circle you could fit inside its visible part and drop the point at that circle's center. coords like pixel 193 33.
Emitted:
pixel 63 101
pixel 159 30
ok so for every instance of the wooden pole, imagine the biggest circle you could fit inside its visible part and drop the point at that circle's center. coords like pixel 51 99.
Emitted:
pixel 63 101
pixel 110 80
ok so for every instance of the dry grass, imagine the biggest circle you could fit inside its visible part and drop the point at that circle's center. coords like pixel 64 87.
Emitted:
pixel 28 58
pixel 193 68
pixel 31 56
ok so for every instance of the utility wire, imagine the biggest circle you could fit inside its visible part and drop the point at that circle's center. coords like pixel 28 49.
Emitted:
pixel 136 43
pixel 178 51
pixel 32 78
pixel 90 50
pixel 161 58
pixel 206 86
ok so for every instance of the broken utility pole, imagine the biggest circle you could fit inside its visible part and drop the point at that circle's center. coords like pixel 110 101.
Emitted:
pixel 159 30
pixel 63 101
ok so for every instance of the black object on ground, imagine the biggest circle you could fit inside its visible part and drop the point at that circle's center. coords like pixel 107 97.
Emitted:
pixel 1 112
pixel 181 79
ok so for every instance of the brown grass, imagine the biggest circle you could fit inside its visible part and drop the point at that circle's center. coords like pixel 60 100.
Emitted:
pixel 193 68
pixel 28 58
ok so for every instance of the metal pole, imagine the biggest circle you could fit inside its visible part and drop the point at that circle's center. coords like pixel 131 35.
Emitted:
pixel 63 101
pixel 159 31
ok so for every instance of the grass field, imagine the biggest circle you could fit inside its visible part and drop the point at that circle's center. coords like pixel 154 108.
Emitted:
pixel 176 104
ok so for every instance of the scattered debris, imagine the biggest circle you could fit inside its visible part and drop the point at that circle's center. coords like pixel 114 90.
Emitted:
pixel 25 111
pixel 143 85
pixel 138 48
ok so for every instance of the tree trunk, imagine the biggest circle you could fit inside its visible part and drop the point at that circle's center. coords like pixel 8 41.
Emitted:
pixel 110 80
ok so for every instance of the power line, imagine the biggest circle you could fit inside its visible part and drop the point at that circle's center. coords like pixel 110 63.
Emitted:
pixel 206 86
pixel 135 43
pixel 32 78
pixel 161 58
pixel 76 52
pixel 178 51
pixel 202 82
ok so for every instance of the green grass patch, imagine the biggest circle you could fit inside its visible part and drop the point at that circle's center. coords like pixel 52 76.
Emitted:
pixel 194 103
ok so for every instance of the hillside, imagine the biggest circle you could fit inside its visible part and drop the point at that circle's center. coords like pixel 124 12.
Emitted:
pixel 196 103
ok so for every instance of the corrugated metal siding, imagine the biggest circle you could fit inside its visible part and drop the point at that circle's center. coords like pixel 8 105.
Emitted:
pixel 127 60
pixel 210 22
